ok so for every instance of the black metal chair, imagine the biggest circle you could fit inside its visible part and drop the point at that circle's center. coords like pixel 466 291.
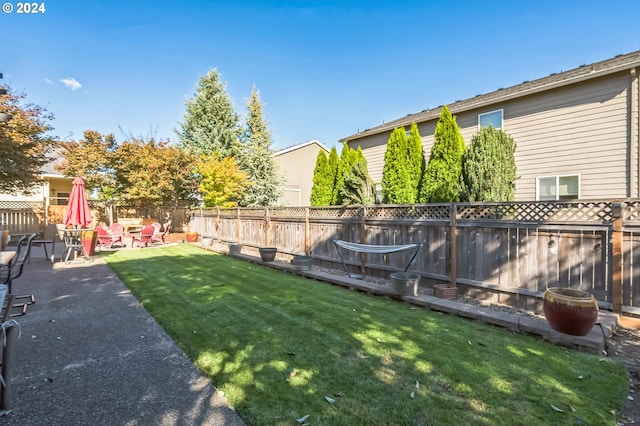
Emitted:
pixel 16 265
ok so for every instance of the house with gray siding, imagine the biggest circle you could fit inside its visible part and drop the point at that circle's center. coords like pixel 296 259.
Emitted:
pixel 296 164
pixel 577 132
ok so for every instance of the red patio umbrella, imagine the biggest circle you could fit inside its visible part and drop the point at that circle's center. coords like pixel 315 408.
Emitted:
pixel 78 212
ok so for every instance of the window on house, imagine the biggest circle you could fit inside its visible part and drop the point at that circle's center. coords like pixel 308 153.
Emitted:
pixel 551 188
pixel 62 198
pixel 493 118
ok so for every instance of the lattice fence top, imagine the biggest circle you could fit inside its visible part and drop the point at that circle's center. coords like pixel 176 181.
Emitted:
pixel 417 211
pixel 21 205
pixel 534 212
pixel 539 212
pixel 334 212
pixel 287 212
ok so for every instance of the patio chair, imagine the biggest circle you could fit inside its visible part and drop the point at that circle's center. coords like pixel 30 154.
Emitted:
pixel 49 237
pixel 104 239
pixel 23 252
pixel 158 237
pixel 145 237
pixel 157 228
pixel 117 233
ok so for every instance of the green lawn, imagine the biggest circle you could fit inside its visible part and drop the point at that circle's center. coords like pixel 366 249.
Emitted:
pixel 282 347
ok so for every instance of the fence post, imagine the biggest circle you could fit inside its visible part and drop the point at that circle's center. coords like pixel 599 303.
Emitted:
pixel 453 253
pixel 238 227
pixel 617 258
pixel 307 232
pixel 363 239
pixel 218 230
pixel 267 228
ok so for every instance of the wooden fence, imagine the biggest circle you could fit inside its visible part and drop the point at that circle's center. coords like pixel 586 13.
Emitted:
pixel 508 252
pixel 21 217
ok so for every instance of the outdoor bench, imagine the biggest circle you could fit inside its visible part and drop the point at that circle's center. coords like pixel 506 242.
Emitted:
pixel 374 249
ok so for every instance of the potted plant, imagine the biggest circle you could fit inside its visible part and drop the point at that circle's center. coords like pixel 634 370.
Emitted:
pixel 268 254
pixel 405 283
pixel 191 236
pixel 302 263
pixel 235 248
pixel 569 311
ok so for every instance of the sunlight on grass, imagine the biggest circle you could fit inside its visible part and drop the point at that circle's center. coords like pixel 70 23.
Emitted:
pixel 278 344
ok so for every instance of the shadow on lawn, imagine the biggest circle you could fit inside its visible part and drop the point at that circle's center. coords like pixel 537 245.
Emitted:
pixel 280 344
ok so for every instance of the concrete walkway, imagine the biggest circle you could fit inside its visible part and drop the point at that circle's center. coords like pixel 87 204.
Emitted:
pixel 89 354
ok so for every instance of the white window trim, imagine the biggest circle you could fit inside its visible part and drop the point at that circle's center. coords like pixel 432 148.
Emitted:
pixel 501 110
pixel 557 177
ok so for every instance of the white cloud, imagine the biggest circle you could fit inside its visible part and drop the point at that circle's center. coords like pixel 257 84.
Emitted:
pixel 46 80
pixel 71 83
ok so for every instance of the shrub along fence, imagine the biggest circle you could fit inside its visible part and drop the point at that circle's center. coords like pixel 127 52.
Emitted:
pixel 507 252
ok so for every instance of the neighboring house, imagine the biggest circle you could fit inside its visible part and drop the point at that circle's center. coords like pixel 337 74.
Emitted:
pixel 296 165
pixel 577 132
pixel 54 188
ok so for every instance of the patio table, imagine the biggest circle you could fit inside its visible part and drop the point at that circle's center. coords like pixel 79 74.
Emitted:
pixel 73 243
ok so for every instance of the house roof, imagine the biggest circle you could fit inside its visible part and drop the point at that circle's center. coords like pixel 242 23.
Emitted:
pixel 298 146
pixel 555 80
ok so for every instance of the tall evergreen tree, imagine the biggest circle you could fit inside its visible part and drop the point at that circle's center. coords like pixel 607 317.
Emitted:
pixel 347 158
pixel 256 159
pixel 441 178
pixel 396 180
pixel 322 190
pixel 489 167
pixel 415 161
pixel 357 185
pixel 333 162
pixel 210 124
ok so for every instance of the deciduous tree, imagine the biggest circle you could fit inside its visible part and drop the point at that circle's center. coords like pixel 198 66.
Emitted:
pixel 24 145
pixel 223 183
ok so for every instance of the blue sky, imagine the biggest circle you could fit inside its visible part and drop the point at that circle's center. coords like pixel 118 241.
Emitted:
pixel 324 69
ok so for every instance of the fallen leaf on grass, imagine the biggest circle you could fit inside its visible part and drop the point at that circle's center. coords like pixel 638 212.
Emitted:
pixel 329 399
pixel 417 385
pixel 412 395
pixel 559 410
pixel 339 394
pixel 303 419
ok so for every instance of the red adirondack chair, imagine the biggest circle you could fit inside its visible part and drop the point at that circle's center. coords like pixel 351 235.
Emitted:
pixel 158 237
pixel 117 232
pixel 104 239
pixel 145 237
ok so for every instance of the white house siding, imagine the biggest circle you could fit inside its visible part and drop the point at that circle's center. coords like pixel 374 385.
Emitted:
pixel 579 129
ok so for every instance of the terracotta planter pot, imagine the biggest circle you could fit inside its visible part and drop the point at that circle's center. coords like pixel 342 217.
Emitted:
pixel 268 254
pixel 191 236
pixel 405 283
pixel 569 311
